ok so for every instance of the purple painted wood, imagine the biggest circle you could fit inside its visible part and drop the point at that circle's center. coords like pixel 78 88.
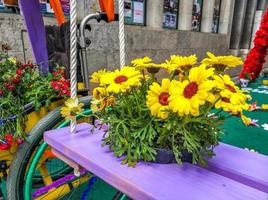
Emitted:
pixel 243 166
pixel 55 184
pixel 36 31
pixel 147 180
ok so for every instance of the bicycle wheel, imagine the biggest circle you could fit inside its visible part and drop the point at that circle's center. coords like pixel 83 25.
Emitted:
pixel 34 175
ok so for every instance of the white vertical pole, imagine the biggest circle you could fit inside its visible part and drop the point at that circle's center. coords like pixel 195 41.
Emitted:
pixel 121 34
pixel 73 50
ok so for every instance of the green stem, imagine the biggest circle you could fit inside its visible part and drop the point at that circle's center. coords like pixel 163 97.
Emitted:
pixel 173 74
pixel 153 77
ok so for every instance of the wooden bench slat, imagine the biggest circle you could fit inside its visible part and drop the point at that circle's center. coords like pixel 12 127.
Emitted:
pixel 249 168
pixel 147 180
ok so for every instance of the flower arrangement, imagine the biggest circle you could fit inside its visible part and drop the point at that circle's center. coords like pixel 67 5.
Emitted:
pixel 182 112
pixel 256 57
pixel 21 84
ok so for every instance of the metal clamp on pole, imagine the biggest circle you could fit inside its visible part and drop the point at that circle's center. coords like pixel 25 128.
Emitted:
pixel 99 16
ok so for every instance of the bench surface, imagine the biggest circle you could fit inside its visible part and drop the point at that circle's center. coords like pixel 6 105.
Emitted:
pixel 149 180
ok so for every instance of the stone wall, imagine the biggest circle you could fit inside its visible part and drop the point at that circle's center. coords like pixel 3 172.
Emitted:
pixel 140 41
pixel 156 43
pixel 13 32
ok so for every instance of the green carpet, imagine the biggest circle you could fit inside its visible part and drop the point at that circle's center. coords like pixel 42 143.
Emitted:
pixel 248 136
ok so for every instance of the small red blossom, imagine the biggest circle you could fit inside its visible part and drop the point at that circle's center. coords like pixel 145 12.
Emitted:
pixel 19 72
pixel 9 139
pixel 9 86
pixel 16 80
pixel 62 86
pixel 4 146
pixel 19 141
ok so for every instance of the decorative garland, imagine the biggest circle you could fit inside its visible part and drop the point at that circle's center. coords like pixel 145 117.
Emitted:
pixel 256 57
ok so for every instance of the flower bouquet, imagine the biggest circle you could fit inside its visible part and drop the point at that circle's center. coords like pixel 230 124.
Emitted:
pixel 181 113
pixel 21 84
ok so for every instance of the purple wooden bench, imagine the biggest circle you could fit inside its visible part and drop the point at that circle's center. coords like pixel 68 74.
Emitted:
pixel 234 174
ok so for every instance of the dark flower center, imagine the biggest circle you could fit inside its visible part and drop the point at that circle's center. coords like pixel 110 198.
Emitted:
pixel 120 79
pixel 163 98
pixel 190 90
pixel 230 88
pixel 226 100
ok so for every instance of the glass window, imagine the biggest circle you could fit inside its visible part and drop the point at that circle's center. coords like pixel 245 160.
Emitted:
pixel 9 6
pixel 170 15
pixel 216 16
pixel 46 8
pixel 197 14
pixel 134 12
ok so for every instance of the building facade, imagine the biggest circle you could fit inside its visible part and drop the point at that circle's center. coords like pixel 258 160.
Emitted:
pixel 157 28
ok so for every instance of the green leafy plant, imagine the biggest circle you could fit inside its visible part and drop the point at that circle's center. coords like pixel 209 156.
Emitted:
pixel 21 84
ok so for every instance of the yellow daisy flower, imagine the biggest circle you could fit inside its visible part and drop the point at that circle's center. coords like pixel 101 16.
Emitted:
pixel 186 97
pixel 180 63
pixel 99 93
pixel 142 63
pixel 229 90
pixel 220 63
pixel 95 77
pixel 100 104
pixel 157 99
pixel 227 106
pixel 121 80
pixel 73 107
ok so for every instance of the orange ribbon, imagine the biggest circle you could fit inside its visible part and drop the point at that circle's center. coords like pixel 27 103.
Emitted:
pixel 107 6
pixel 56 6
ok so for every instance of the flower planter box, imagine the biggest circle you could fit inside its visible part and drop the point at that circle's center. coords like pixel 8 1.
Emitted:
pixel 232 174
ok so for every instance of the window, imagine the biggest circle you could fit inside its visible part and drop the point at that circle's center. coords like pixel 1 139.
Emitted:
pixel 9 6
pixel 46 8
pixel 134 12
pixel 216 16
pixel 197 14
pixel 170 15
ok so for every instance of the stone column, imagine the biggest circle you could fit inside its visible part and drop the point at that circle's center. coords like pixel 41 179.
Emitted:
pixel 207 16
pixel 248 25
pixel 261 5
pixel 185 15
pixel 154 14
pixel 237 26
pixel 226 16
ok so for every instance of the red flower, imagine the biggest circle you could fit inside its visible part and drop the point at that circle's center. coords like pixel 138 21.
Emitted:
pixel 4 146
pixel 1 92
pixel 19 72
pixel 9 86
pixel 19 141
pixel 256 57
pixel 16 80
pixel 10 140
pixel 62 86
